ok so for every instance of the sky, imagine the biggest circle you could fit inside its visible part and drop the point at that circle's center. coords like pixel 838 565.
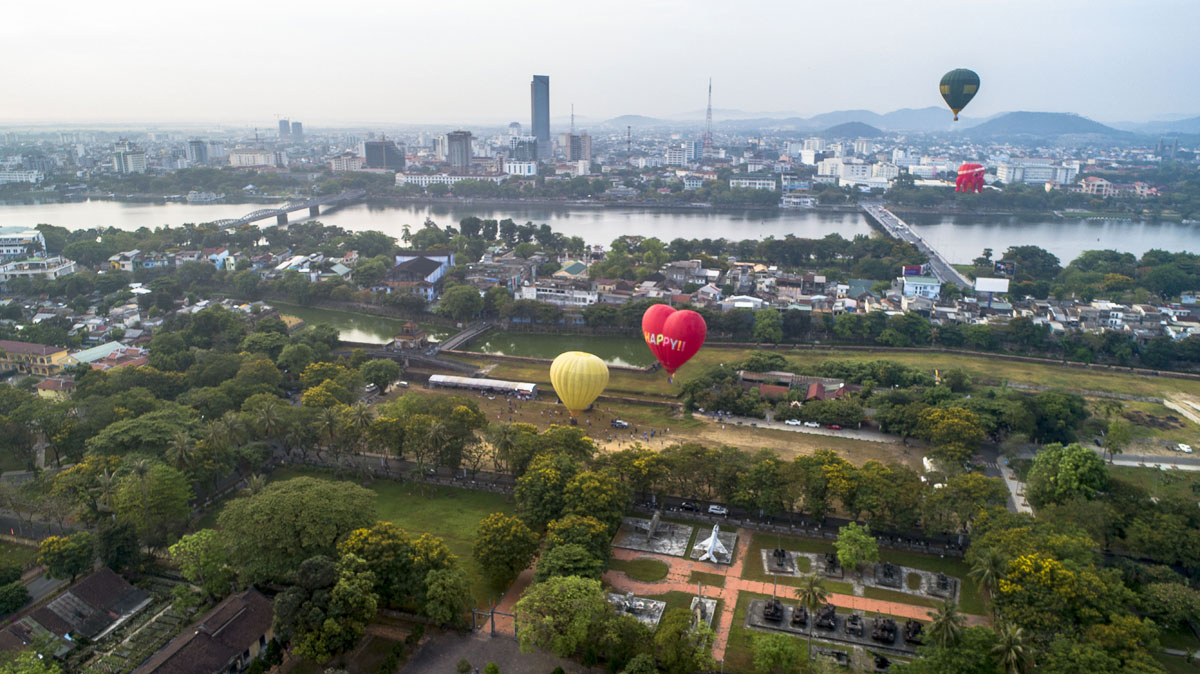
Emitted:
pixel 470 61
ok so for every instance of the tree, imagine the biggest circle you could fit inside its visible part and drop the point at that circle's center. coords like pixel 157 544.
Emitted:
pixel 945 624
pixel 812 595
pixel 388 553
pixel 589 532
pixel 447 596
pixel 153 497
pixel 203 559
pixel 67 556
pixel 856 546
pixel 598 495
pixel 683 648
pixel 271 533
pixel 327 611
pixel 768 326
pixel 1012 651
pixel 776 654
pixel 503 547
pixel 556 615
pixel 461 303
pixel 1170 604
pixel 117 545
pixel 539 492
pixel 1061 474
pixel 1117 438
pixel 571 559
pixel 381 372
pixel 642 663
pixel 954 431
pixel 987 568
pixel 28 662
pixel 972 655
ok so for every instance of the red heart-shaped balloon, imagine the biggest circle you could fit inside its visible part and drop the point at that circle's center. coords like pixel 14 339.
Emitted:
pixel 673 336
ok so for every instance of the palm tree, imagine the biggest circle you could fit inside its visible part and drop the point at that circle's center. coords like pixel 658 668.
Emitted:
pixel 216 434
pixel 503 439
pixel 235 429
pixel 987 567
pixel 812 594
pixel 106 485
pixel 360 418
pixel 946 624
pixel 181 451
pixel 255 483
pixel 1012 649
pixel 140 469
pixel 268 419
pixel 328 424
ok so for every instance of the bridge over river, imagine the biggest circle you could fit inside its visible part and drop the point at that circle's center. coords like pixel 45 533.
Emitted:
pixel 898 229
pixel 281 213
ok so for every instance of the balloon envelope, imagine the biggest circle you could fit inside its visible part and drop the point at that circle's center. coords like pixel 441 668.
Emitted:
pixel 578 379
pixel 673 336
pixel 958 87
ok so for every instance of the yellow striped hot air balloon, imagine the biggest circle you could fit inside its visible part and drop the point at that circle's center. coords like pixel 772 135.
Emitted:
pixel 578 379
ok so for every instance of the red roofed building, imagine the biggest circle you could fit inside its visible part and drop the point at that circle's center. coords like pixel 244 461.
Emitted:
pixel 816 391
pixel 124 357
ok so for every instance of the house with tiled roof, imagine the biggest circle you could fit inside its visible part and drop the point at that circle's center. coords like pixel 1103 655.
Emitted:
pixel 226 639
pixel 90 609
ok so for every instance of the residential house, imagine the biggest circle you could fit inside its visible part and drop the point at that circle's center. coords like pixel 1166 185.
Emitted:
pixel 225 640
pixel 90 609
pixel 925 286
pixel 37 267
pixel 218 257
pixel 560 292
pixel 35 359
pixel 128 356
pixel 419 275
pixel 572 270
pixel 56 389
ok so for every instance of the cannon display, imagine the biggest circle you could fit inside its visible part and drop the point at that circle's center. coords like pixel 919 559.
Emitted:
pixel 912 632
pixel 831 566
pixel 840 657
pixel 827 617
pixel 888 574
pixel 799 616
pixel 773 610
pixel 882 663
pixel 884 631
pixel 854 625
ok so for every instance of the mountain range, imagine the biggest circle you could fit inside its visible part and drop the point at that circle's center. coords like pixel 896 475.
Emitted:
pixel 928 120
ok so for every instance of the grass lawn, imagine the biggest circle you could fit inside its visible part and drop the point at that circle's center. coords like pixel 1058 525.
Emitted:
pixel 644 570
pixel 753 568
pixel 709 579
pixel 449 513
pixel 1180 637
pixel 1162 483
pixel 1176 665
pixel 900 597
pixel 17 555
pixel 739 650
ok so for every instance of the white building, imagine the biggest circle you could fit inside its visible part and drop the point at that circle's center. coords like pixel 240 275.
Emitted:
pixel 797 201
pixel 346 162
pixel 21 177
pixel 1037 171
pixel 752 183
pixel 922 286
pixel 808 157
pixel 525 169
pixel 815 144
pixel 17 242
pixel 252 158
pixel 675 156
pixel 426 179
pixel 38 267
pixel 562 293
pixel 129 161
pixel 885 170
pixel 923 171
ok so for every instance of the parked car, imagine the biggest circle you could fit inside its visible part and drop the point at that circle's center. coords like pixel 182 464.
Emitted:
pixel 371 388
pixel 833 427
pixel 1186 449
pixel 402 384
pixel 689 506
pixel 793 422
pixel 717 510
pixel 617 423
pixel 812 424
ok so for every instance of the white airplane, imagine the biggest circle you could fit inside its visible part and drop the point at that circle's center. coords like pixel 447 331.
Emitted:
pixel 712 546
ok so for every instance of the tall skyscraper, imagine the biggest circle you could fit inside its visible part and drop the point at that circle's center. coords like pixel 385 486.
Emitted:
pixel 297 131
pixel 383 154
pixel 579 146
pixel 285 128
pixel 522 148
pixel 458 149
pixel 539 98
pixel 197 151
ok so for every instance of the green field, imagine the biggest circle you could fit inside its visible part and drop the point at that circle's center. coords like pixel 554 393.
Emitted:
pixel 709 579
pixel 643 570
pixel 15 554
pixel 1176 665
pixel 449 513
pixel 1184 484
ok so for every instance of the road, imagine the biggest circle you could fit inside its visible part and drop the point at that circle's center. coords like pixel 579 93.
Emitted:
pixel 852 433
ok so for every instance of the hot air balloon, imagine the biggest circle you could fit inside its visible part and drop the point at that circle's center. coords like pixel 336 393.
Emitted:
pixel 970 178
pixel 958 88
pixel 673 336
pixel 578 379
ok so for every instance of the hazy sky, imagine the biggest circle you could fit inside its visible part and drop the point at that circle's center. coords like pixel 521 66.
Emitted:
pixel 448 61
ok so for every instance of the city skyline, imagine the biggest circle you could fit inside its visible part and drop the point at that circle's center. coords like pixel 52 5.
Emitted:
pixel 1088 58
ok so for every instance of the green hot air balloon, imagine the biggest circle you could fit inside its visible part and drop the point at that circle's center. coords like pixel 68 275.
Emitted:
pixel 958 88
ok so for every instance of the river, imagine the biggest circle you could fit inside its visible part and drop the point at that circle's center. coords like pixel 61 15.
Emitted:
pixel 960 238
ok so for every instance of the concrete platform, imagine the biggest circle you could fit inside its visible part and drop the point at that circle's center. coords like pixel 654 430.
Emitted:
pixel 646 611
pixel 754 620
pixel 727 538
pixel 669 538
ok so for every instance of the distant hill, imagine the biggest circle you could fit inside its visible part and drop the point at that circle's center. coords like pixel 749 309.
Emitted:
pixel 636 120
pixel 852 130
pixel 932 118
pixel 1042 125
pixel 1190 125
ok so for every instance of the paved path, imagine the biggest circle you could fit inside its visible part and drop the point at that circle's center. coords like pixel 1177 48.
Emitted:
pixel 680 571
pixel 853 433
pixel 1016 491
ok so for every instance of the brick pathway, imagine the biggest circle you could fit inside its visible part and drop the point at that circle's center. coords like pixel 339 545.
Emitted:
pixel 681 570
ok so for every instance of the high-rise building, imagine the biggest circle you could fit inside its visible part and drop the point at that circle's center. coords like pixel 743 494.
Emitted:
pixel 458 149
pixel 128 159
pixel 285 128
pixel 579 147
pixel 514 129
pixel 383 154
pixel 539 99
pixel 297 131
pixel 197 152
pixel 522 148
